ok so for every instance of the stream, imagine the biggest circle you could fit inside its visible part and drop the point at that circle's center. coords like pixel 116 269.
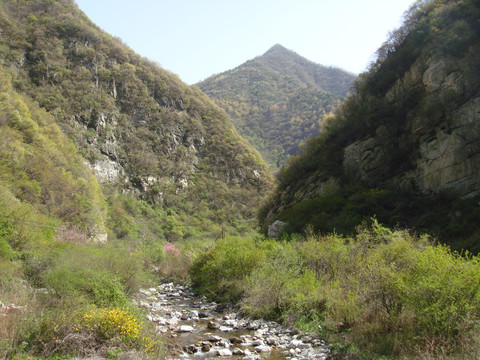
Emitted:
pixel 195 328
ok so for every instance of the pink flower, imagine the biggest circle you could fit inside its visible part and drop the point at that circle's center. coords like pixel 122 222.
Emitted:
pixel 171 249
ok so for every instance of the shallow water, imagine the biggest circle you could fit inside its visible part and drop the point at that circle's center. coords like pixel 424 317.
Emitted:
pixel 173 307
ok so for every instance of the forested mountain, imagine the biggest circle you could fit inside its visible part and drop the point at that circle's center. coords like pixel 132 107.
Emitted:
pixel 405 145
pixel 278 100
pixel 170 163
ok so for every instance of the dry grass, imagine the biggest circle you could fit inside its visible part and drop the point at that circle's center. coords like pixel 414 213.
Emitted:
pixel 18 300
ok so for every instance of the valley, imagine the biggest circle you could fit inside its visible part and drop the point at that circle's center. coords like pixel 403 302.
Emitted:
pixel 278 210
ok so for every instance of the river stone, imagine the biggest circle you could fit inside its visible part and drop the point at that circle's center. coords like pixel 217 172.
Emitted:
pixel 190 349
pixel 185 328
pixel 203 314
pixel 213 325
pixel 238 351
pixel 263 348
pixel 214 338
pixel 271 341
pixel 224 352
pixel 257 342
pixel 236 340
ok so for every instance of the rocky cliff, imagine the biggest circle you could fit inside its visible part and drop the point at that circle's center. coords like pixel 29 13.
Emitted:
pixel 406 144
pixel 446 142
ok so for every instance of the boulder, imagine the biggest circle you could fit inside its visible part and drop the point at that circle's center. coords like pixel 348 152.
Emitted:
pixel 276 229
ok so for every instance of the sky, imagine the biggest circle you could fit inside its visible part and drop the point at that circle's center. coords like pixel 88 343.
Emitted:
pixel 198 38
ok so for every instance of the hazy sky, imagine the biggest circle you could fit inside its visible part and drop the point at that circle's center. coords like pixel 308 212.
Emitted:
pixel 197 38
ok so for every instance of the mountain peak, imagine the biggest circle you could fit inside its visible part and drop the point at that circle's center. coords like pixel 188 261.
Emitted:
pixel 278 48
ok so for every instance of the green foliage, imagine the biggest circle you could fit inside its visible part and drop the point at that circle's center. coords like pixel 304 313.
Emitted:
pixel 99 288
pixel 84 330
pixel 278 100
pixel 380 292
pixel 220 271
pixel 381 124
pixel 280 286
pixel 341 211
pixel 116 107
pixel 102 276
pixel 6 252
pixel 41 167
pixel 86 306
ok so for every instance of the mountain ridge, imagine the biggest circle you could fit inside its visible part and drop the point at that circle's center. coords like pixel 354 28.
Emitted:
pixel 277 100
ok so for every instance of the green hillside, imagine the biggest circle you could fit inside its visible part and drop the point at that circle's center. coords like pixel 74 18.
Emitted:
pixel 404 146
pixel 104 157
pixel 146 134
pixel 278 100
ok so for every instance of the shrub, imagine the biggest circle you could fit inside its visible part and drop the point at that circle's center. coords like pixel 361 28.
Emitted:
pixel 6 252
pixel 220 271
pixel 379 292
pixel 267 287
pixel 89 331
pixel 97 287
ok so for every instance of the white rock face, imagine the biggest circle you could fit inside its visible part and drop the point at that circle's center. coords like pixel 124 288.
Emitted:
pixel 107 170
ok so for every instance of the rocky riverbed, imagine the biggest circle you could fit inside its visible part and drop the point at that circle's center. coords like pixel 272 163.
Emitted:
pixel 195 328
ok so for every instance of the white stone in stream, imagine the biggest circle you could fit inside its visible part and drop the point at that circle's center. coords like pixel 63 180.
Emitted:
pixel 230 323
pixel 193 313
pixel 224 352
pixel 172 321
pixel 295 343
pixel 271 341
pixel 162 329
pixel 238 351
pixel 263 348
pixel 257 343
pixel 225 328
pixel 160 320
pixel 214 338
pixel 185 328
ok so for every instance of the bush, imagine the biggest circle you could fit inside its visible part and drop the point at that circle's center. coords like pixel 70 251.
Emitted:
pixel 267 287
pixel 382 291
pixel 220 272
pixel 96 287
pixel 86 331
pixel 6 252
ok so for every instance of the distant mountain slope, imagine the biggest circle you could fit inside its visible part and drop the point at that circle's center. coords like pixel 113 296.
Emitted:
pixel 148 136
pixel 405 145
pixel 278 100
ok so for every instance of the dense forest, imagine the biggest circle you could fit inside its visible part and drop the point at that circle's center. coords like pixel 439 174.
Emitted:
pixel 278 100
